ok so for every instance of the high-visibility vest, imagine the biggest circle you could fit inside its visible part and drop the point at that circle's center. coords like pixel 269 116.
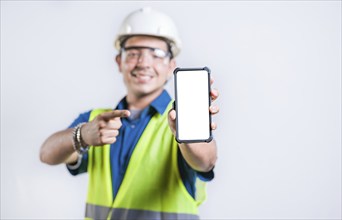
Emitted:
pixel 152 187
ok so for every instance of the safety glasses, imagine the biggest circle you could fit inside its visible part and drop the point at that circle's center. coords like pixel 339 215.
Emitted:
pixel 133 54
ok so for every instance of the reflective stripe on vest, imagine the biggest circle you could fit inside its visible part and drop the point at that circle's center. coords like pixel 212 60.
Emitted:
pixel 100 212
pixel 152 188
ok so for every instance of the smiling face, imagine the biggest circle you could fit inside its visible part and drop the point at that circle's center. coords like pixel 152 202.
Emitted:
pixel 145 70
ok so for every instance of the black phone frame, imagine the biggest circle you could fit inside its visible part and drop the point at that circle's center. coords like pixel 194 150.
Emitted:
pixel 175 105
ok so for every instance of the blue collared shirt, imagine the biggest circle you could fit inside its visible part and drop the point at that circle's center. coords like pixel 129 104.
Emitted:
pixel 129 134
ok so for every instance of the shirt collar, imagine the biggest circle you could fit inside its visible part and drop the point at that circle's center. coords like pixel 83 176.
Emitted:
pixel 159 104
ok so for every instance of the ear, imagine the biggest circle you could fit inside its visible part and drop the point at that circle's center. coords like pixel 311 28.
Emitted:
pixel 118 61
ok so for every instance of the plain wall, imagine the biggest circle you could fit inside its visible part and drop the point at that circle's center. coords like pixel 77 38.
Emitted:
pixel 277 65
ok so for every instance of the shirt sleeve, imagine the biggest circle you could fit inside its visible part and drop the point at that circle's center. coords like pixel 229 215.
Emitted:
pixel 82 162
pixel 206 176
pixel 189 175
pixel 187 172
pixel 84 117
pixel 80 167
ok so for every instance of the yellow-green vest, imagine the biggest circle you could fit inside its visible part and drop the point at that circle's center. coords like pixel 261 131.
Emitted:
pixel 152 187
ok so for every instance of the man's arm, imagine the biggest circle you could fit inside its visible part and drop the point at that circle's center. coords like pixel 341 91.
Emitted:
pixel 58 148
pixel 200 156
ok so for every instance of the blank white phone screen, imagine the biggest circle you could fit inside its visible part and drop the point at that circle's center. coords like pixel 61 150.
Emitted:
pixel 193 116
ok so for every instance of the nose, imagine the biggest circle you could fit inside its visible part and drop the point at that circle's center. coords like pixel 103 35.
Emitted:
pixel 145 58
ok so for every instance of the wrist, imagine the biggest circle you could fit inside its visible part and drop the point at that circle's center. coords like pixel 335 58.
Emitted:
pixel 78 144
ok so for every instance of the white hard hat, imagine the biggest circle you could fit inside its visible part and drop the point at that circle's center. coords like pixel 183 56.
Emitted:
pixel 147 21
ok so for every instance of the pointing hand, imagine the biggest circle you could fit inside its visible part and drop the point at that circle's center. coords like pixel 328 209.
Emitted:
pixel 104 128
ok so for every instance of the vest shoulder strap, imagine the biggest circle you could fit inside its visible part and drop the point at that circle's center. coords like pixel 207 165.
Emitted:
pixel 96 112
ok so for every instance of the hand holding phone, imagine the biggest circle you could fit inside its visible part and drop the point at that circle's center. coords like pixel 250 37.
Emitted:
pixel 192 102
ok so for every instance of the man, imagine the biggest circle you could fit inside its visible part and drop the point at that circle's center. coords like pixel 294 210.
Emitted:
pixel 137 170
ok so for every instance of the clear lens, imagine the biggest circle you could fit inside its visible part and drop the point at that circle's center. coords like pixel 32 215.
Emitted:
pixel 159 53
pixel 132 54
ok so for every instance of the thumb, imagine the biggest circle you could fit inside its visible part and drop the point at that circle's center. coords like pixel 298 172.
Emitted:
pixel 172 121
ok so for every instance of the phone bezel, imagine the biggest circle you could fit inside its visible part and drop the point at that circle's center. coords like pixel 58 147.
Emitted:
pixel 210 138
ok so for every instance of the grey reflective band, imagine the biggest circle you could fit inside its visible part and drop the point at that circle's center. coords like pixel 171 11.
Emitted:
pixel 100 212
pixel 130 214
pixel 96 211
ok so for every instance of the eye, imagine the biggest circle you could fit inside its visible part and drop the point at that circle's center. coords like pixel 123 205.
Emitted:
pixel 132 53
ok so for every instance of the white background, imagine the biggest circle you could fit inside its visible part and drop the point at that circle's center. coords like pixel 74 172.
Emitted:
pixel 277 65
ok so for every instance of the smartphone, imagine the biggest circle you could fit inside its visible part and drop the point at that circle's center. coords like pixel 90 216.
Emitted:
pixel 192 102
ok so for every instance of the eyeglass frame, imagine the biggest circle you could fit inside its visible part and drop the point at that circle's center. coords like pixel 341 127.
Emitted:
pixel 168 54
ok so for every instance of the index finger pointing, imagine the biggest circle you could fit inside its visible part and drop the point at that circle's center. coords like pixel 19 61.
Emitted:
pixel 115 114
